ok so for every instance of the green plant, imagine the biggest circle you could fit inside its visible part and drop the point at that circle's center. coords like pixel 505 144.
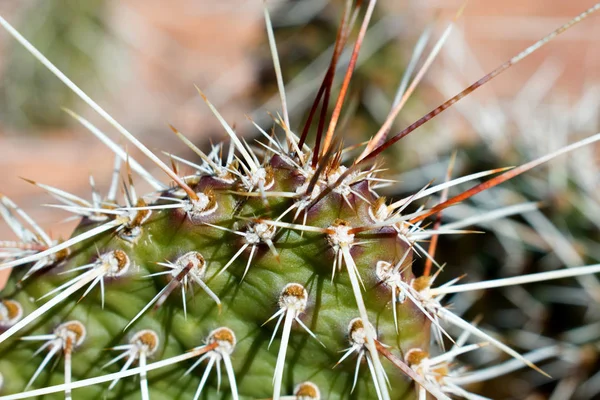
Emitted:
pixel 287 243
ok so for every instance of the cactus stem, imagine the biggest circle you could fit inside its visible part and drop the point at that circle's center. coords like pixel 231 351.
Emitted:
pixel 341 238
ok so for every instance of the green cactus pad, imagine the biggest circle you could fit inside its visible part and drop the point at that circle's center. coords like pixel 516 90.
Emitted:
pixel 247 301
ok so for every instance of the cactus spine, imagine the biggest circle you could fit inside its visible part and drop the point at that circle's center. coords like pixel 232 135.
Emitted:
pixel 292 257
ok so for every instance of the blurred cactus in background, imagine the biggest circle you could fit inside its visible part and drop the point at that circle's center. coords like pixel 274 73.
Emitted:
pixel 67 30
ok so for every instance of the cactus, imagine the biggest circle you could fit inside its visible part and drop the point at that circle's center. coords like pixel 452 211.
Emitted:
pixel 301 272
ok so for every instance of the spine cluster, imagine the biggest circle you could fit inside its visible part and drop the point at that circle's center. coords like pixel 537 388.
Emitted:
pixel 257 268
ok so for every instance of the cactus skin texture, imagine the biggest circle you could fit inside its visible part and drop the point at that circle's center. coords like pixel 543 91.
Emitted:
pixel 267 278
pixel 246 304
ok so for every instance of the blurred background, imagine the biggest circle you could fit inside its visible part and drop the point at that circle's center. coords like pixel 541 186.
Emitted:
pixel 140 60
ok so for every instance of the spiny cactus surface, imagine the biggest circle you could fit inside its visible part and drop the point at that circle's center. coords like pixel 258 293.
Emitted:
pixel 218 264
pixel 273 271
